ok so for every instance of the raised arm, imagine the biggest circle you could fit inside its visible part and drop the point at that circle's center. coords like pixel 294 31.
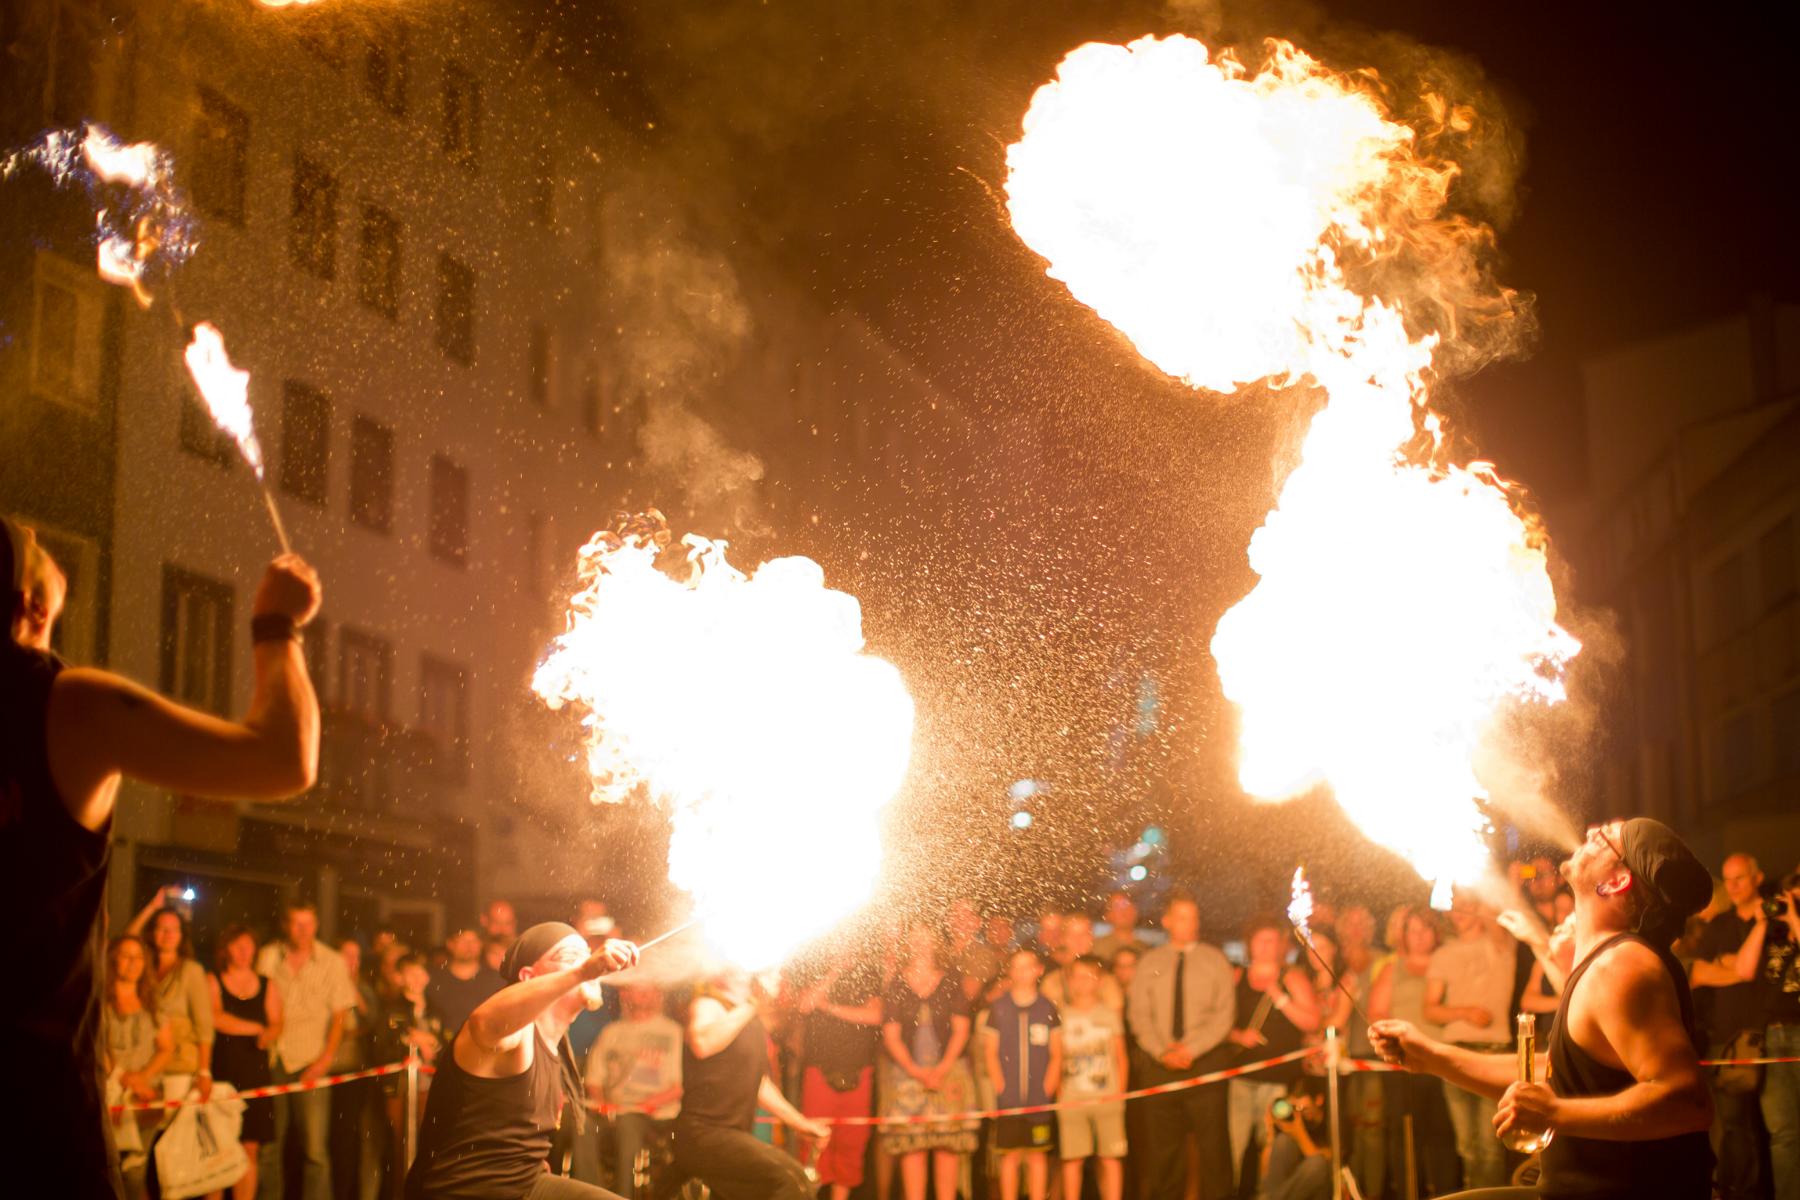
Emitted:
pixel 1302 1003
pixel 769 1096
pixel 494 1037
pixel 102 726
pixel 1401 1044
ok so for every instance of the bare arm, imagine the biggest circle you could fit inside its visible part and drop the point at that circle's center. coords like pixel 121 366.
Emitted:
pixel 157 899
pixel 959 1040
pixel 890 1041
pixel 101 726
pixel 223 1021
pixel 1053 1069
pixel 990 1057
pixel 1302 1006
pixel 272 1005
pixel 770 1097
pixel 712 1026
pixel 1401 1043
pixel 1534 1000
pixel 866 1013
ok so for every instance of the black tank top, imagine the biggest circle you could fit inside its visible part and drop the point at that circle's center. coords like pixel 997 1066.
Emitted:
pixel 53 879
pixel 720 1092
pixel 486 1139
pixel 1674 1168
pixel 1284 1036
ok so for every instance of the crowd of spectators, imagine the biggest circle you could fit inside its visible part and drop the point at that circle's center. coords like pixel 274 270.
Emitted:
pixel 966 1011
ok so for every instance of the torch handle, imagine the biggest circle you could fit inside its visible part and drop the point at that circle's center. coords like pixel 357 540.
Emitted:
pixel 275 516
pixel 663 937
pixel 1343 987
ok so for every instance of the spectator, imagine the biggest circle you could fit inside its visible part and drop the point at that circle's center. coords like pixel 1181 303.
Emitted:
pixel 1049 939
pixel 315 996
pixel 576 1148
pixel 925 1029
pixel 182 999
pixel 465 981
pixel 1123 968
pixel 843 1014
pixel 500 923
pixel 135 1042
pixel 1398 991
pixel 968 955
pixel 1023 1050
pixel 493 953
pixel 1296 1154
pixel 1094 1066
pixel 1356 937
pixel 247 1019
pixel 1470 993
pixel 67 737
pixel 1734 1012
pixel 1276 1008
pixel 1078 942
pixel 1771 957
pixel 635 1070
pixel 1122 934
pixel 358 1127
pixel 407 1023
pixel 1339 997
pixel 1180 1008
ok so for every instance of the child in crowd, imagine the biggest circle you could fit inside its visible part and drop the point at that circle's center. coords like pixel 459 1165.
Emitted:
pixel 1024 1057
pixel 635 1070
pixel 1093 1044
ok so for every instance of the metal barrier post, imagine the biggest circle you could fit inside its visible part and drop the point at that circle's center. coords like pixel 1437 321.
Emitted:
pixel 412 1104
pixel 1332 1046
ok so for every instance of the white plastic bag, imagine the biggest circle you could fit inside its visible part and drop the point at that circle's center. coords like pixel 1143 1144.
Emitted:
pixel 199 1152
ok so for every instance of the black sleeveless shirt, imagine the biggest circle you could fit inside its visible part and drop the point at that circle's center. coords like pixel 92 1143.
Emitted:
pixel 1282 1034
pixel 1673 1168
pixel 53 881
pixel 720 1092
pixel 486 1139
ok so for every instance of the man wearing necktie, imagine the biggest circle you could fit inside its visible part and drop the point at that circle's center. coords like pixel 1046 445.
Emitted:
pixel 1180 1008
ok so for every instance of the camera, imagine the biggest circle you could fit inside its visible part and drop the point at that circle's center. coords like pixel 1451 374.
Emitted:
pixel 1775 898
pixel 1282 1109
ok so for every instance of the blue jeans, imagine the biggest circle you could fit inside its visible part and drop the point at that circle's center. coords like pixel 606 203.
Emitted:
pixel 1483 1157
pixel 1781 1109
pixel 310 1112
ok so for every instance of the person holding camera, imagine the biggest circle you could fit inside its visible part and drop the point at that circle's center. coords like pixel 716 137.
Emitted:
pixel 68 735
pixel 1734 1029
pixel 1296 1146
pixel 1771 957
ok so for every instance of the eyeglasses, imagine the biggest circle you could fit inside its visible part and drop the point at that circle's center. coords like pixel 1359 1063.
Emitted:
pixel 1610 844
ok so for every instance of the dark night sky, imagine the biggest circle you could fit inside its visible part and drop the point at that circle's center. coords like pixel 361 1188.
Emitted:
pixel 866 155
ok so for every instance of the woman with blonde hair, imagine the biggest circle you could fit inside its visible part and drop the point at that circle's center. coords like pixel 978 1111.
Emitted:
pixel 135 1044
pixel 182 996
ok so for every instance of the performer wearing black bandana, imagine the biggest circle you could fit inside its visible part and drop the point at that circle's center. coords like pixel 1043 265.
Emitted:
pixel 1625 1098
pixel 493 1108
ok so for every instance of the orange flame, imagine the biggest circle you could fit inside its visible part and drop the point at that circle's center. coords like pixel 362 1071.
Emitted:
pixel 746 705
pixel 226 391
pixel 1215 215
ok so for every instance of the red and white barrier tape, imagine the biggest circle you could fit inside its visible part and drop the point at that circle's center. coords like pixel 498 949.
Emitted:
pixel 274 1089
pixel 1371 1064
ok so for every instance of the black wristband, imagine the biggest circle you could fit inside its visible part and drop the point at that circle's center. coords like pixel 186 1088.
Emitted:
pixel 273 627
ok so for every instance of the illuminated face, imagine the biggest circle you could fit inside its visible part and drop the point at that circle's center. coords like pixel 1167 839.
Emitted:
pixel 351 953
pixel 45 589
pixel 414 977
pixel 464 946
pixel 1125 968
pixel 1597 858
pixel 128 962
pixel 165 932
pixel 1266 946
pixel 1024 970
pixel 1083 983
pixel 566 955
pixel 302 927
pixel 1183 922
pixel 1078 935
pixel 1544 880
pixel 502 922
pixel 1742 878
pixel 1121 913
pixel 1421 937
pixel 241 950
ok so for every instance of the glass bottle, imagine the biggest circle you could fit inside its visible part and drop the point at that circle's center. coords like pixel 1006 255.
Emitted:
pixel 1518 1139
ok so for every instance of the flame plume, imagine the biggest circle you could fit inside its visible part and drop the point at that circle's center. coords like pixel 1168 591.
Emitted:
pixel 746 705
pixel 226 391
pixel 1233 224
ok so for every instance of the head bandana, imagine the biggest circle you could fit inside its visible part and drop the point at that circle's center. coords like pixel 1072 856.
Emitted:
pixel 1676 883
pixel 533 944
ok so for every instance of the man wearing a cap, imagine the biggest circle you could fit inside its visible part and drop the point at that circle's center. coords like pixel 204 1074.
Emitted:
pixel 67 736
pixel 494 1105
pixel 1625 1098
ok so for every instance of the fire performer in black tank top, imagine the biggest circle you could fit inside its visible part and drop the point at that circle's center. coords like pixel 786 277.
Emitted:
pixel 494 1105
pixel 67 736
pixel 1626 1099
pixel 724 1076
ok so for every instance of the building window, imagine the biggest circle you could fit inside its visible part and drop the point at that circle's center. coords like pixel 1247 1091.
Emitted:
pixel 312 235
pixel 389 65
pixel 456 309
pixel 200 436
pixel 1775 562
pixel 1729 597
pixel 365 675
pixel 196 640
pixel 444 711
pixel 65 333
pixel 305 441
pixel 378 261
pixel 449 511
pixel 462 116
pixel 537 365
pixel 543 187
pixel 372 474
pixel 593 416
pixel 1734 768
pixel 221 154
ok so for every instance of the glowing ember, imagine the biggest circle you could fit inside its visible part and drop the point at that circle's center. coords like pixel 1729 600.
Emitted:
pixel 226 391
pixel 140 217
pixel 1300 907
pixel 745 704
pixel 1214 215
